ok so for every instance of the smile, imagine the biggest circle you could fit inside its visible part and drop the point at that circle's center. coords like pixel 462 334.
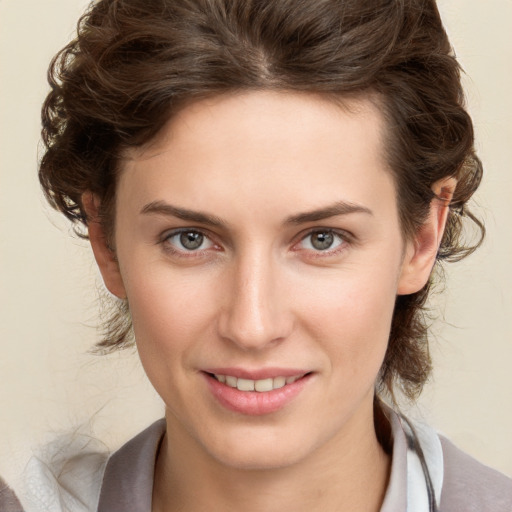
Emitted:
pixel 261 385
pixel 263 394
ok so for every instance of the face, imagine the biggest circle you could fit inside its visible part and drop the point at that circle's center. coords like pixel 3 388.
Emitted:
pixel 260 251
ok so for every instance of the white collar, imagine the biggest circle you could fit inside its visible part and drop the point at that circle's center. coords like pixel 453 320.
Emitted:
pixel 77 475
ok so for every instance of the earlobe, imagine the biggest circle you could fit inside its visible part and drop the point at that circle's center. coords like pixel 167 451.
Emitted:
pixel 104 255
pixel 420 253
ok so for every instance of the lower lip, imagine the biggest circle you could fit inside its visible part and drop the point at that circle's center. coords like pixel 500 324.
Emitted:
pixel 254 403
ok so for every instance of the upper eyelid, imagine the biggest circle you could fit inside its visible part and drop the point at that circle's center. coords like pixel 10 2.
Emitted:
pixel 343 234
pixel 168 233
pixel 346 242
pixel 183 252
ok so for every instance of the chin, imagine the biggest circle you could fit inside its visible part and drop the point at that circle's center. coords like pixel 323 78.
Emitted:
pixel 258 459
pixel 258 452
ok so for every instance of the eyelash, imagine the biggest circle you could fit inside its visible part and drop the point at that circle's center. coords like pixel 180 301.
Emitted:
pixel 184 253
pixel 343 238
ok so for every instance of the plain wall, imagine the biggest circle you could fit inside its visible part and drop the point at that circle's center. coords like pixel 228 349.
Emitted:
pixel 48 303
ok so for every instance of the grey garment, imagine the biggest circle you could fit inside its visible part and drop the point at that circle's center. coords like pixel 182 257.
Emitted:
pixel 128 478
pixel 8 500
pixel 468 485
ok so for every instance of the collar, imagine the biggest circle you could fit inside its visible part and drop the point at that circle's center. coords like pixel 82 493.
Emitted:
pixel 415 480
pixel 78 476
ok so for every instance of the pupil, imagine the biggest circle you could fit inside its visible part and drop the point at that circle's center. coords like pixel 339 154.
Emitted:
pixel 322 240
pixel 191 240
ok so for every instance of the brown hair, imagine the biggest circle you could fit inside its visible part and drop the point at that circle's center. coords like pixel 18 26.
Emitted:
pixel 134 63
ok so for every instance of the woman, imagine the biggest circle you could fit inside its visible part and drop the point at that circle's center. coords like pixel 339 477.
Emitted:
pixel 267 186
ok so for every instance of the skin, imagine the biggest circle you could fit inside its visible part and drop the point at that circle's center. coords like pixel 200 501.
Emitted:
pixel 258 294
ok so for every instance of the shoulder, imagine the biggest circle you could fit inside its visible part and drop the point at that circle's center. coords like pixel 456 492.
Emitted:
pixel 65 475
pixel 76 473
pixel 470 486
pixel 8 500
pixel 460 483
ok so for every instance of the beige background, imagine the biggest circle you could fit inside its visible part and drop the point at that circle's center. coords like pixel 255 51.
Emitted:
pixel 48 381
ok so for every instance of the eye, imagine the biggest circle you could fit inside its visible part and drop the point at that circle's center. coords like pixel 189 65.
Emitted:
pixel 322 240
pixel 188 240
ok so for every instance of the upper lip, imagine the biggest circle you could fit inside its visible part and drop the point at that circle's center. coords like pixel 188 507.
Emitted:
pixel 256 374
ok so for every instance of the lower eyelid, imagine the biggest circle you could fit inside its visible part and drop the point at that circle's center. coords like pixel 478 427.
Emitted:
pixel 340 238
pixel 166 241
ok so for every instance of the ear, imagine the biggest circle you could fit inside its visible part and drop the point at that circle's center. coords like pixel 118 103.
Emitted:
pixel 421 252
pixel 104 255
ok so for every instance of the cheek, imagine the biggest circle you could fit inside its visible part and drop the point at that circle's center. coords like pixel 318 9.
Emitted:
pixel 350 315
pixel 171 312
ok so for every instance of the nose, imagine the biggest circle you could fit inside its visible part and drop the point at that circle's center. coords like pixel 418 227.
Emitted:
pixel 255 313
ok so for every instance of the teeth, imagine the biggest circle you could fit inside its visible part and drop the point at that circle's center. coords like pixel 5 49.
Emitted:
pixel 279 382
pixel 261 385
pixel 231 381
pixel 245 385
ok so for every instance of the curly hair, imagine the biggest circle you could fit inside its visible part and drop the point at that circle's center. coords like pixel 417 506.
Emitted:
pixel 135 63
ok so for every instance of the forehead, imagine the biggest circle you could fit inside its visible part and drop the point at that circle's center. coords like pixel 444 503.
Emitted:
pixel 253 147
pixel 284 114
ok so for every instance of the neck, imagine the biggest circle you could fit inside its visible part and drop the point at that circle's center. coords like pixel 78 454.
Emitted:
pixel 348 473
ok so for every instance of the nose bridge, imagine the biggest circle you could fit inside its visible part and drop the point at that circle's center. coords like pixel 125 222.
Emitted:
pixel 254 316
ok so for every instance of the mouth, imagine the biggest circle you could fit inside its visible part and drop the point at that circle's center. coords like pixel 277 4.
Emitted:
pixel 258 396
pixel 260 385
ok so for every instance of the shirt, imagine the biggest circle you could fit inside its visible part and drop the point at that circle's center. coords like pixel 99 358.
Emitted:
pixel 428 474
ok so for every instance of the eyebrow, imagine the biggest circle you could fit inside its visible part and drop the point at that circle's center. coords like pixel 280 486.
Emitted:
pixel 338 208
pixel 163 208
